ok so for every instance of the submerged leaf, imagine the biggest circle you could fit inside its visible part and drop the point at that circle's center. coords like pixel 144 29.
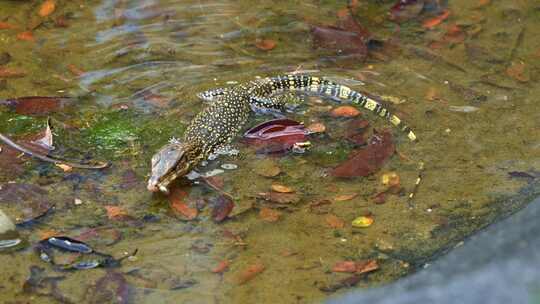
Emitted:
pixel 36 105
pixel 250 272
pixel 269 215
pixel 366 161
pixel 223 206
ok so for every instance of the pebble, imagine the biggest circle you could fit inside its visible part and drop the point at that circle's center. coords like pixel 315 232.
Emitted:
pixel 229 166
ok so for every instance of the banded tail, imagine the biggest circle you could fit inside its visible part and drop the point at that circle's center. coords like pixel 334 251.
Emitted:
pixel 324 87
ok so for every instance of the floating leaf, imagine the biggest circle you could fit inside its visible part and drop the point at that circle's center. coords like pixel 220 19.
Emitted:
pixel 281 188
pixel 366 161
pixel 362 221
pixel 250 272
pixel 345 111
pixel 269 215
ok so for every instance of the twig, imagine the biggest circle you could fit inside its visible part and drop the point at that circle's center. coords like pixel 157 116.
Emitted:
pixel 9 142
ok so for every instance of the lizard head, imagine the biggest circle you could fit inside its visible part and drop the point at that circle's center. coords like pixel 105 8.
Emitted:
pixel 172 161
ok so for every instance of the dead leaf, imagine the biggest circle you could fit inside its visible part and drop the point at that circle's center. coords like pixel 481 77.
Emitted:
pixel 47 8
pixel 75 70
pixel 176 200
pixel 334 221
pixel 517 71
pixel 345 197
pixel 5 26
pixel 265 44
pixel 358 267
pixel 64 167
pixel 249 273
pixel 433 22
pixel 115 212
pixel 366 161
pixel 280 198
pixel 223 206
pixel 11 73
pixel 281 188
pixel 222 266
pixel 26 36
pixel 316 127
pixel 267 168
pixel 345 111
pixel 269 215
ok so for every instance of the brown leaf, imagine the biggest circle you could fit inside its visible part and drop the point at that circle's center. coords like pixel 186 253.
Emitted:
pixel 433 22
pixel 342 41
pixel 115 212
pixel 364 162
pixel 358 267
pixel 265 44
pixel 269 215
pixel 5 26
pixel 281 188
pixel 176 200
pixel 36 105
pixel 345 111
pixel 223 206
pixel 222 266
pixel 334 221
pixel 517 71
pixel 345 197
pixel 316 127
pixel 11 73
pixel 26 36
pixel 47 8
pixel 75 70
pixel 250 272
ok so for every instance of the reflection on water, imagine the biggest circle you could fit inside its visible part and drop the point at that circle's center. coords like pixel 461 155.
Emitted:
pixel 465 83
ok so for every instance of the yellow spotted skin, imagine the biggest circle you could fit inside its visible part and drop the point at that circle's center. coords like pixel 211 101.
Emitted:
pixel 230 108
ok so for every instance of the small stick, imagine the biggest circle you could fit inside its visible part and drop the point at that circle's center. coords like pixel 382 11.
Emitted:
pixel 9 142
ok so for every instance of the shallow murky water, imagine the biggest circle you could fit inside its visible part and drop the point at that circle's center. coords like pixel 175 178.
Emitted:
pixel 466 84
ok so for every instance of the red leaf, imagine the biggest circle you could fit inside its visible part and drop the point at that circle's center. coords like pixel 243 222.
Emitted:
pixel 366 161
pixel 276 135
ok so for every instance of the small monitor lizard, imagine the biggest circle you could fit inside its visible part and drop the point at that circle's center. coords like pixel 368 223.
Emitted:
pixel 229 110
